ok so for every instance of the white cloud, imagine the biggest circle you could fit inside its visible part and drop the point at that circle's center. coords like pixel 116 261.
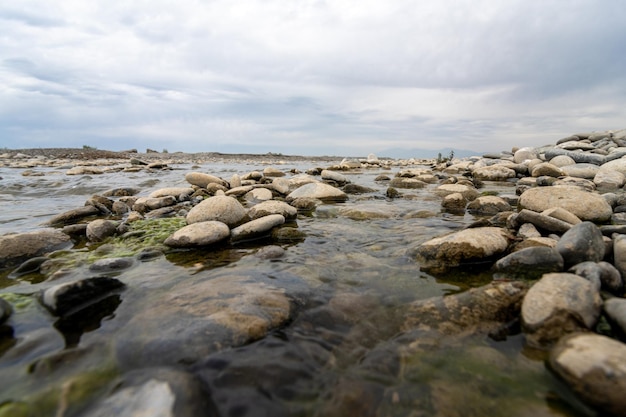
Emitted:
pixel 310 74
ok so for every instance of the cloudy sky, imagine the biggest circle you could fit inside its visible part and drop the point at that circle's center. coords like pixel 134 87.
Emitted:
pixel 313 77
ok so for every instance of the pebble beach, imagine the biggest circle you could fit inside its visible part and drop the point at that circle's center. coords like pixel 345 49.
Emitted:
pixel 209 284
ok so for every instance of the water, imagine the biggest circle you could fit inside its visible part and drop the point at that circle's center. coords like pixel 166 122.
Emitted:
pixel 344 352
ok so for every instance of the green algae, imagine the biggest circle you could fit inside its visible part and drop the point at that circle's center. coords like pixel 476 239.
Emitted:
pixel 18 301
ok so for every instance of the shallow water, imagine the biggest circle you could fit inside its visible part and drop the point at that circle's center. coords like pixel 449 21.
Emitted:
pixel 316 364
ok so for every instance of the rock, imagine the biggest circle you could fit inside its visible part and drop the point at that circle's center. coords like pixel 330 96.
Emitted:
pixel 272 172
pixel 546 169
pixel 470 246
pixel 588 171
pixel 619 254
pixel 198 234
pixel 173 192
pixel 528 263
pixel 357 189
pixel 16 248
pixel 583 204
pixel 615 310
pixel 468 192
pixel 270 252
pixel 144 204
pixel 5 310
pixel 112 264
pixel 583 242
pixel 63 298
pixel 99 229
pixel 562 160
pixel 84 170
pixel 558 304
pixel 272 207
pixel 74 215
pixel 319 191
pixel 541 221
pixel 197 318
pixel 578 157
pixel 281 185
pixel 409 183
pixel 235 181
pixel 562 214
pixel 239 191
pixel 617 165
pixel 593 367
pixel 527 231
pixel 256 228
pixel 480 310
pixel 488 205
pixel 494 173
pixel 121 192
pixel 220 208
pixel 202 180
pixel 609 180
pixel 454 202
pixel 258 194
pixel 602 274
pixel 524 154
pixel 334 176
pixel 158 392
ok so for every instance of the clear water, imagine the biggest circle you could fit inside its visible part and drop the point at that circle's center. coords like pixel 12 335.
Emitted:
pixel 359 364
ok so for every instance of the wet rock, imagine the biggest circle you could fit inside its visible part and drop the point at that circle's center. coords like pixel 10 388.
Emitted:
pixel 469 246
pixel 480 310
pixel 280 185
pixel 172 192
pixel 270 252
pixel 273 172
pixel 528 263
pixel 239 191
pixel 454 202
pixel 84 170
pixel 74 215
pixel 203 180
pixel 258 194
pixel 197 318
pixel 219 208
pixel 357 189
pixel 558 304
pixel 161 392
pixel 593 367
pixel 16 248
pixel 541 221
pixel 111 264
pixel 583 242
pixel 334 176
pixel 63 298
pixel 407 183
pixel 121 192
pixel 319 191
pixel 198 234
pixel 469 192
pixel 100 229
pixel 28 267
pixel 494 173
pixel 145 204
pixel 585 205
pixel 256 228
pixel 272 207
pixel 5 310
pixel 488 205
pixel 602 274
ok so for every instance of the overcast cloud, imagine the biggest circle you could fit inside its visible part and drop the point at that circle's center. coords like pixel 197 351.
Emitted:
pixel 332 77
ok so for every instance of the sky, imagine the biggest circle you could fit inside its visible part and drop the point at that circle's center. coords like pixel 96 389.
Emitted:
pixel 309 77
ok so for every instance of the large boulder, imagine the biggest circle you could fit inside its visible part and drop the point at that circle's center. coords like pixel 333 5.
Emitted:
pixel 469 246
pixel 558 304
pixel 585 205
pixel 220 208
pixel 593 367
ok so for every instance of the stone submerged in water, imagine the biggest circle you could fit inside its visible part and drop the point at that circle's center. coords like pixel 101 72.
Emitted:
pixel 593 367
pixel 256 228
pixel 16 248
pixel 529 263
pixel 63 298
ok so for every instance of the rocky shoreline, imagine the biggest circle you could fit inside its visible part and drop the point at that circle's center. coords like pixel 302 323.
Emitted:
pixel 556 249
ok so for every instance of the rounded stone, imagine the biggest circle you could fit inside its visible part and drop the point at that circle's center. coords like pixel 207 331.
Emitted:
pixel 488 204
pixel 256 228
pixel 494 173
pixel 468 192
pixel 593 367
pixel 319 191
pixel 272 207
pixel 172 191
pixel 524 154
pixel 529 263
pixel 272 172
pixel 469 246
pixel 588 171
pixel 562 160
pixel 63 298
pixel 585 205
pixel 615 310
pixel 198 234
pixel 220 208
pixel 583 242
pixel 454 202
pixel 546 169
pixel 100 229
pixel 16 248
pixel 556 305
pixel 202 180
pixel 334 176
pixel 258 194
pixel 609 180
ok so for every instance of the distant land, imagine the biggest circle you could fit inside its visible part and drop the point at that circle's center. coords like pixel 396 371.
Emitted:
pixel 418 153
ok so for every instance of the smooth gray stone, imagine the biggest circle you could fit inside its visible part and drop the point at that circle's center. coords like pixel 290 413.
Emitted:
pixel 528 263
pixel 583 242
